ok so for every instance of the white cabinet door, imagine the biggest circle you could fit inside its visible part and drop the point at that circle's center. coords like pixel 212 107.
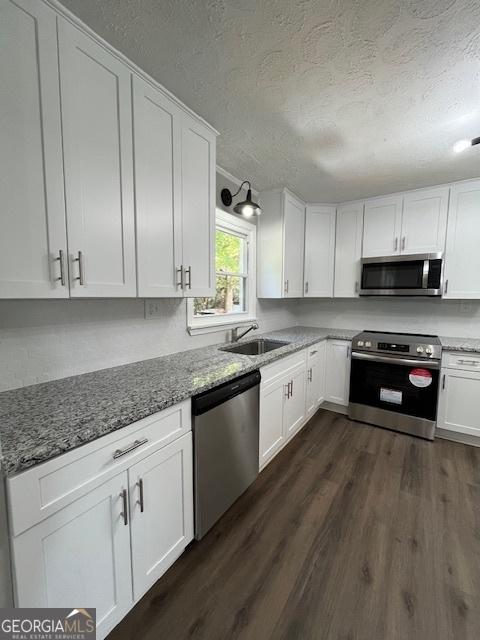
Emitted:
pixel 271 420
pixel 157 142
pixel 161 507
pixel 293 241
pixel 462 255
pixel 32 227
pixel 338 372
pixel 294 407
pixel 315 390
pixel 382 227
pixel 319 251
pixel 79 557
pixel 424 221
pixel 198 207
pixel 97 136
pixel 458 402
pixel 348 250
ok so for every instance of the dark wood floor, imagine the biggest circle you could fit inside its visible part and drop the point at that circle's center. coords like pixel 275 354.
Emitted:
pixel 352 532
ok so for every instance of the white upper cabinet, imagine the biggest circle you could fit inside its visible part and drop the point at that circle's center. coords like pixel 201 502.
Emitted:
pixel 198 207
pixel 97 136
pixel 414 222
pixel 280 244
pixel 319 250
pixel 157 142
pixel 382 226
pixel 348 250
pixel 462 256
pixel 424 221
pixel 32 231
pixel 294 229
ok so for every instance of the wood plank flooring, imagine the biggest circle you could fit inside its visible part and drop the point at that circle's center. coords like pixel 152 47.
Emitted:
pixel 352 532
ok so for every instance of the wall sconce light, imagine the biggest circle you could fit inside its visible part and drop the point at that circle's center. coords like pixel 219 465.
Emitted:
pixel 463 145
pixel 247 207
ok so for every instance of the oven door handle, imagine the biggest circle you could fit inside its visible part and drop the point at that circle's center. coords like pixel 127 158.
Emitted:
pixel 422 364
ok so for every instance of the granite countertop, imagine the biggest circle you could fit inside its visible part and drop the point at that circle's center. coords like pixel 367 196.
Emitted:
pixel 471 345
pixel 44 420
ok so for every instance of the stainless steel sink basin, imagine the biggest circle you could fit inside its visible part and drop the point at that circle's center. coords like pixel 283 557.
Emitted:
pixel 255 347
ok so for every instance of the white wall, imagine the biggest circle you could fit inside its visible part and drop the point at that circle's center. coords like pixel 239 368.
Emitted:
pixel 50 339
pixel 441 317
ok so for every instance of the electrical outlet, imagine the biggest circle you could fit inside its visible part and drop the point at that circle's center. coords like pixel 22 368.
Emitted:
pixel 153 309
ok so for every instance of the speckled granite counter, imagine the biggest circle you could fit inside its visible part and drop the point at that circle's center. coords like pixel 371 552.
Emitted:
pixel 460 344
pixel 42 421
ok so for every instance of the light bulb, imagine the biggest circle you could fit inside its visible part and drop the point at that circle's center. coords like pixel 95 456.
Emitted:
pixel 247 211
pixel 461 145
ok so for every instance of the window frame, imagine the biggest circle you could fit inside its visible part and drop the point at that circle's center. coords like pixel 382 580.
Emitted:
pixel 206 324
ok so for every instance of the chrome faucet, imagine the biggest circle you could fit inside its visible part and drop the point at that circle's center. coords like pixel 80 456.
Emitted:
pixel 236 336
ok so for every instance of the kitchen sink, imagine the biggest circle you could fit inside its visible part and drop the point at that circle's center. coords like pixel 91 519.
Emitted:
pixel 255 347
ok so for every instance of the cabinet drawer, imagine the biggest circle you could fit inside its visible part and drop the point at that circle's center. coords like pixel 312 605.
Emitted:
pixel 461 360
pixel 315 351
pixel 41 491
pixel 272 372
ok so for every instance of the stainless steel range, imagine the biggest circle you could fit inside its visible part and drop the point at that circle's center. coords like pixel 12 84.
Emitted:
pixel 394 381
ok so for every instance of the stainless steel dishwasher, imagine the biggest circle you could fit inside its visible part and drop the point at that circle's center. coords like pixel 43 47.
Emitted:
pixel 225 442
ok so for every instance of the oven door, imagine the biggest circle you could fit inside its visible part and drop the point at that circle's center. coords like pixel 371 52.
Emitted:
pixel 416 275
pixel 395 392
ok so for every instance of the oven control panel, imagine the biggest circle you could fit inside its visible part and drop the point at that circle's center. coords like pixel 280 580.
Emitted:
pixel 392 346
pixel 401 345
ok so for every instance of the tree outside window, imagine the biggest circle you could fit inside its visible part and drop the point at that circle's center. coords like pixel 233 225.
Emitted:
pixel 231 267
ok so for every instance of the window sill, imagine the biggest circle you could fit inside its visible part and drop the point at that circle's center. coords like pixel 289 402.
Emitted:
pixel 212 327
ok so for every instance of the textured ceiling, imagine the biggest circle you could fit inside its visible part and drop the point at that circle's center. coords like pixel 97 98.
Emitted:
pixel 335 99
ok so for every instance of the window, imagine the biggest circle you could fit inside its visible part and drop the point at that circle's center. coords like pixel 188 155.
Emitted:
pixel 234 300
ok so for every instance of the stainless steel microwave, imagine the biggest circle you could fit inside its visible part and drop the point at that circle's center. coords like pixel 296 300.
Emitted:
pixel 406 275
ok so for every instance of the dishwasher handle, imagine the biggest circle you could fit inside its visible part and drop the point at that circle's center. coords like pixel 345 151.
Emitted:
pixel 226 391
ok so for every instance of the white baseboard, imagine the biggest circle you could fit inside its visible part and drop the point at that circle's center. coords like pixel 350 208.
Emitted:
pixel 331 406
pixel 455 436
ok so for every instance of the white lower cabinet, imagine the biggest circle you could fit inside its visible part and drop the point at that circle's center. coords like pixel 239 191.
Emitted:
pixel 337 384
pixel 106 548
pixel 160 485
pixel 79 557
pixel 271 421
pixel 282 404
pixel 315 385
pixel 294 401
pixel 459 393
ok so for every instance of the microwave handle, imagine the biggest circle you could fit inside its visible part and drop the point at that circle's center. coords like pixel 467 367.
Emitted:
pixel 426 272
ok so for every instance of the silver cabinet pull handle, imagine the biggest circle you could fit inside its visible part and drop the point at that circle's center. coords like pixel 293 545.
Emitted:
pixel 404 240
pixel 306 286
pixel 443 382
pixel 396 244
pixel 312 353
pixel 124 513
pixel 140 489
pixel 470 362
pixel 189 282
pixel 287 390
pixel 291 387
pixel 81 268
pixel 348 352
pixel 181 284
pixel 446 286
pixel 286 286
pixel 60 260
pixel 122 452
